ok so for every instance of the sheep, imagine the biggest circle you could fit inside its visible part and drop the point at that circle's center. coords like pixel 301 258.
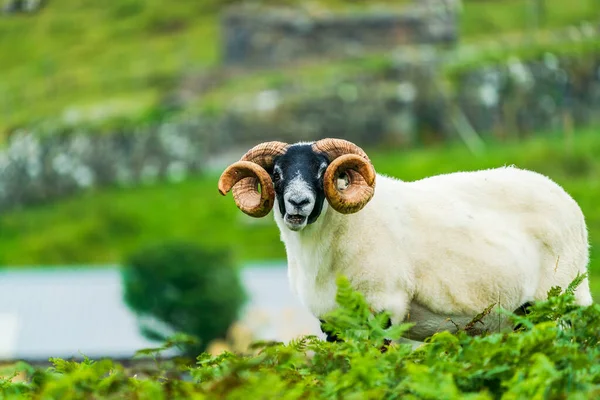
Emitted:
pixel 434 252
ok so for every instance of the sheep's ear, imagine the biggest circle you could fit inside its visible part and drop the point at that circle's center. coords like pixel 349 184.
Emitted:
pixel 343 181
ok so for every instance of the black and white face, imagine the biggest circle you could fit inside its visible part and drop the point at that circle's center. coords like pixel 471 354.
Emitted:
pixel 298 180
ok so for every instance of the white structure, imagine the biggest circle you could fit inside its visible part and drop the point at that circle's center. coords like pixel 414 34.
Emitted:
pixel 67 312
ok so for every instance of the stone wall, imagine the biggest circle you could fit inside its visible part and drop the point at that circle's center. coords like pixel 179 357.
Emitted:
pixel 413 103
pixel 22 6
pixel 407 103
pixel 37 168
pixel 275 36
pixel 516 98
pixel 370 109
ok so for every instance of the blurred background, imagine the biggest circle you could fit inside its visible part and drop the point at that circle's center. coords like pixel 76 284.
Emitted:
pixel 117 118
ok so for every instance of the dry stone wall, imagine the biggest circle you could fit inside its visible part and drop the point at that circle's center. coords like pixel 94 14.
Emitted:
pixel 276 36
pixel 37 168
pixel 403 102
pixel 401 106
pixel 410 104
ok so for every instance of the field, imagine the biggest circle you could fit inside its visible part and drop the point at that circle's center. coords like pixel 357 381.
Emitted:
pixel 82 61
pixel 553 355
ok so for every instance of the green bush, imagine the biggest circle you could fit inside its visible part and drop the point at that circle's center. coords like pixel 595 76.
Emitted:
pixel 192 290
pixel 554 355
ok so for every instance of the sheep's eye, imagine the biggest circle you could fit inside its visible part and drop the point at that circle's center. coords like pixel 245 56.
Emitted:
pixel 276 176
pixel 321 172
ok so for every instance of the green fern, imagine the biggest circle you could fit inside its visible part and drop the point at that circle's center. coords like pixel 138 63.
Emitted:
pixel 555 355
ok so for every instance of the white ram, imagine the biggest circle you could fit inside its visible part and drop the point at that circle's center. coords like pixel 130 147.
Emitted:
pixel 444 247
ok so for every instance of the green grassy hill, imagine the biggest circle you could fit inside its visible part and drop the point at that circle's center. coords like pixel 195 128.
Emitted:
pixel 88 60
pixel 104 226
pixel 77 60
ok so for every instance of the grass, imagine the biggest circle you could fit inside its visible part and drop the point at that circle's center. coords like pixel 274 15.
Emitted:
pixel 104 226
pixel 84 54
pixel 86 60
pixel 483 18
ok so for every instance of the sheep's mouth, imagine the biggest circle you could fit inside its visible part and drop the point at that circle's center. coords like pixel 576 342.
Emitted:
pixel 295 222
pixel 296 219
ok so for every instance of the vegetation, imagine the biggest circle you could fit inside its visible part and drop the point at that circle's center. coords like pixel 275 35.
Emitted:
pixel 482 18
pixel 83 61
pixel 87 61
pixel 105 226
pixel 554 354
pixel 190 289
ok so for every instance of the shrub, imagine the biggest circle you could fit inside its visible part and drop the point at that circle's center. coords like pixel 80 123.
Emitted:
pixel 192 290
pixel 554 355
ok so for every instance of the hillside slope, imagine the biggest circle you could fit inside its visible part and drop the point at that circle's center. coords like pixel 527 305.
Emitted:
pixel 82 60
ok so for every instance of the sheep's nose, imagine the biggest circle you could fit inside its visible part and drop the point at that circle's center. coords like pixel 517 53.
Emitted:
pixel 299 201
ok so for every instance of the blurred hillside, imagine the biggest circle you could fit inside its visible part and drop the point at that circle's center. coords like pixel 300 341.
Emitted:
pixel 85 61
pixel 139 92
pixel 116 118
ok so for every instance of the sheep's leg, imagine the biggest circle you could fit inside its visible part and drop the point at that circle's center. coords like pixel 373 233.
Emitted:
pixel 386 342
pixel 396 304
pixel 331 337
pixel 522 311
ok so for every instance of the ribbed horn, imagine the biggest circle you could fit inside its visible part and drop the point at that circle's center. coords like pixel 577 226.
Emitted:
pixel 346 157
pixel 244 177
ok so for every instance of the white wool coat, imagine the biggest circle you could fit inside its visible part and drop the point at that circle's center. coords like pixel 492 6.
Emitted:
pixel 444 247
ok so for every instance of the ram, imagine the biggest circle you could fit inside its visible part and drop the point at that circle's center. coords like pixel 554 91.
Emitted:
pixel 434 252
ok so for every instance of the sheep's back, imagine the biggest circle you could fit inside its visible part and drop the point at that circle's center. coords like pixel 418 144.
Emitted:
pixel 475 238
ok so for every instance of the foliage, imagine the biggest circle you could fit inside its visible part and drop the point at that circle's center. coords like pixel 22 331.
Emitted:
pixel 191 289
pixel 555 354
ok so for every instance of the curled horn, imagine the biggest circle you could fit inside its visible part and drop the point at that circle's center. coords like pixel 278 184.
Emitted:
pixel 245 175
pixel 346 157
